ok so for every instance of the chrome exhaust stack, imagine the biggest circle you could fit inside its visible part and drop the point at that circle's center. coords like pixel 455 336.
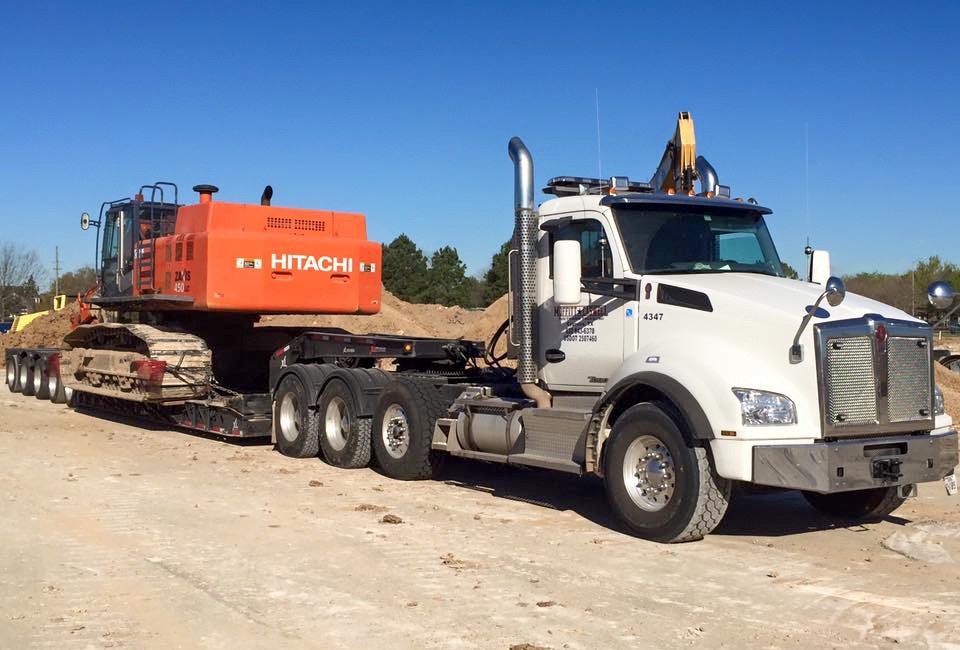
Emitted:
pixel 523 283
pixel 708 176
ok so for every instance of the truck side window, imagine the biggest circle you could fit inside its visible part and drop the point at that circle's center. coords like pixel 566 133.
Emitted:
pixel 596 260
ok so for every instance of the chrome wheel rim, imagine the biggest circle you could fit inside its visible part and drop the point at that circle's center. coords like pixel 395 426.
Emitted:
pixel 11 375
pixel 52 385
pixel 23 376
pixel 290 417
pixel 37 380
pixel 649 474
pixel 336 423
pixel 395 431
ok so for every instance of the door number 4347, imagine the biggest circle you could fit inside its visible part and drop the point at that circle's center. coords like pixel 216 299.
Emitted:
pixel 652 315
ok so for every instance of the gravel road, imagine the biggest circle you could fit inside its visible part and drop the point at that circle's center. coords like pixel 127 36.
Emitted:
pixel 114 535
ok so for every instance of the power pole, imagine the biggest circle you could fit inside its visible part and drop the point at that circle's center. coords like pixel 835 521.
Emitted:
pixel 56 270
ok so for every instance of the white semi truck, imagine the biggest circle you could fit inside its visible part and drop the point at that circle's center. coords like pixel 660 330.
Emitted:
pixel 658 345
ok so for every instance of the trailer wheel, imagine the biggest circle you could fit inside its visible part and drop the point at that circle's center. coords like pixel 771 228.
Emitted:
pixel 344 437
pixel 26 376
pixel 13 374
pixel 297 424
pixel 663 487
pixel 55 386
pixel 41 386
pixel 874 503
pixel 403 429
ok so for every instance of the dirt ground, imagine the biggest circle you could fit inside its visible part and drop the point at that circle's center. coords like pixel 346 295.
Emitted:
pixel 119 536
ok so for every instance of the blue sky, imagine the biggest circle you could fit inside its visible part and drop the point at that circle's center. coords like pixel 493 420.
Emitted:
pixel 403 112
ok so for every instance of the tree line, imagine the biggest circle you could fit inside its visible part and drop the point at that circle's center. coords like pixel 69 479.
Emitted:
pixel 442 278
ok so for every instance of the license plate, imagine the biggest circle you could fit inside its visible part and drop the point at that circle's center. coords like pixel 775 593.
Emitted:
pixel 950 482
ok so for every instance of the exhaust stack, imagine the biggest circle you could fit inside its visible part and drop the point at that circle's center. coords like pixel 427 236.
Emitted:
pixel 708 176
pixel 523 324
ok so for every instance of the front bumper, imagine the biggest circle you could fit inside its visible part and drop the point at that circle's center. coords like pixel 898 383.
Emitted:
pixel 859 464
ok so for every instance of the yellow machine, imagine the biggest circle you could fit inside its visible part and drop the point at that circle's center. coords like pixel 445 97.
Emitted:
pixel 21 321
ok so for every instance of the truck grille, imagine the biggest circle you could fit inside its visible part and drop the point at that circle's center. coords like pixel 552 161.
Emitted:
pixel 876 376
pixel 851 381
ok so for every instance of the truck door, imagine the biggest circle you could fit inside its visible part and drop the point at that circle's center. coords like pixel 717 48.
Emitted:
pixel 580 345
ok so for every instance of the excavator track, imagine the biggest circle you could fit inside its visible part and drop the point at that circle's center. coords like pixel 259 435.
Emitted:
pixel 123 361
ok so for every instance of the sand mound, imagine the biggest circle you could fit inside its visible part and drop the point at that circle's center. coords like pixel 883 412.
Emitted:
pixel 949 383
pixel 44 332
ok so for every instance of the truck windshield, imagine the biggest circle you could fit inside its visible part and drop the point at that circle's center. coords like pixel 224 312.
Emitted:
pixel 677 240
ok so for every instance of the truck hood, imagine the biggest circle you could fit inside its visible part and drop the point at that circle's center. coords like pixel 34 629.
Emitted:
pixel 754 295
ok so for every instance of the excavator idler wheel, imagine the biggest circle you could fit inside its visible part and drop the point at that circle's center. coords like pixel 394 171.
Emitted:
pixel 297 425
pixel 344 437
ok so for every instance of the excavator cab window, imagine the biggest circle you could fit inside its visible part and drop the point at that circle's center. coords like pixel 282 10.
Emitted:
pixel 116 262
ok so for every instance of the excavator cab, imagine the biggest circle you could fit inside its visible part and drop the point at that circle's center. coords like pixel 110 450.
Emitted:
pixel 129 227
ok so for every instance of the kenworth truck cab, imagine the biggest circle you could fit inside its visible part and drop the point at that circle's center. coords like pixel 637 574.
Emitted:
pixel 665 316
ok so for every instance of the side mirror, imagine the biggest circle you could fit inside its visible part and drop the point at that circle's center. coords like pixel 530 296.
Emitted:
pixel 836 291
pixel 566 272
pixel 819 270
pixel 940 294
pixel 84 221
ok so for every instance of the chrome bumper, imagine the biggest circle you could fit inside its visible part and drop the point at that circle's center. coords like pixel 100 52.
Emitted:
pixel 858 464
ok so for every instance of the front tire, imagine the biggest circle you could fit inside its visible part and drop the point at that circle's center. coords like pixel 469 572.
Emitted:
pixel 297 424
pixel 403 423
pixel 662 487
pixel 344 437
pixel 874 503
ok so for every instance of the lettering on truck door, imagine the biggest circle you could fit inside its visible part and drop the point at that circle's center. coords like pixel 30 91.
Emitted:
pixel 589 335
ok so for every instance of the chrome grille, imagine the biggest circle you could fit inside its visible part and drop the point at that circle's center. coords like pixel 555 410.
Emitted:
pixel 908 379
pixel 876 376
pixel 850 381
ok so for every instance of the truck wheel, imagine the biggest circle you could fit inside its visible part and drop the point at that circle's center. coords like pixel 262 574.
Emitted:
pixel 344 437
pixel 874 503
pixel 26 376
pixel 41 386
pixel 58 394
pixel 403 429
pixel 297 425
pixel 13 374
pixel 661 486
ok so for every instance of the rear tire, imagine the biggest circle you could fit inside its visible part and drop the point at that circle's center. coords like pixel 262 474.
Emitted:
pixel 297 424
pixel 662 487
pixel 58 392
pixel 26 376
pixel 344 437
pixel 403 429
pixel 874 503
pixel 41 386
pixel 13 374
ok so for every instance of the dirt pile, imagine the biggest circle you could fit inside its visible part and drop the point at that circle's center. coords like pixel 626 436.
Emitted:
pixel 45 331
pixel 949 383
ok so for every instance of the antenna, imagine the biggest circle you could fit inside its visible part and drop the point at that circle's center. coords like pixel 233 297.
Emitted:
pixel 806 178
pixel 56 270
pixel 599 159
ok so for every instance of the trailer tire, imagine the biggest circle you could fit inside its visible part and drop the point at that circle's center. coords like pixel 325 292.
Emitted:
pixel 13 374
pixel 874 503
pixel 403 422
pixel 41 385
pixel 58 392
pixel 659 482
pixel 298 425
pixel 344 437
pixel 26 376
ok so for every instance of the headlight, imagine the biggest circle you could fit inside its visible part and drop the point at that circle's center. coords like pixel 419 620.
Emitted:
pixel 938 406
pixel 759 407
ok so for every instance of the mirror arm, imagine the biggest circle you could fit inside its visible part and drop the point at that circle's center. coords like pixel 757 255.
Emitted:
pixel 796 350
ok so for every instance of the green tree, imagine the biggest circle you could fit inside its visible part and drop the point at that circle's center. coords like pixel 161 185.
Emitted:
pixel 447 274
pixel 405 272
pixel 789 271
pixel 472 293
pixel 496 276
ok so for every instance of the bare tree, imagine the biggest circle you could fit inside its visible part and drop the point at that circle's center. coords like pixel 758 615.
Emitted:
pixel 20 273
